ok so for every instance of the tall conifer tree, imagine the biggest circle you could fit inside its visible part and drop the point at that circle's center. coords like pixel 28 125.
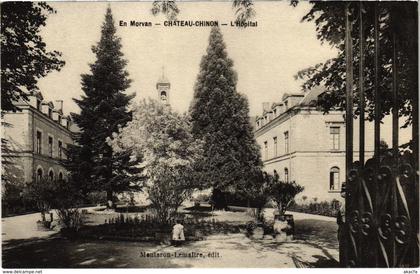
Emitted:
pixel 103 112
pixel 220 116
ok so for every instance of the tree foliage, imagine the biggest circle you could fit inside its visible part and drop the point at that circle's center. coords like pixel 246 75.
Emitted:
pixel 244 9
pixel 60 195
pixel 400 18
pixel 170 155
pixel 103 111
pixel 166 7
pixel 24 57
pixel 394 17
pixel 220 117
pixel 258 191
pixel 284 193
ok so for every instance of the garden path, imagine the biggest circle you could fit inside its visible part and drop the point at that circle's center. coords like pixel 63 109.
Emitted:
pixel 315 246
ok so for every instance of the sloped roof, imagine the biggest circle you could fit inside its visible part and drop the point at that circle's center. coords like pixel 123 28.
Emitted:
pixel 311 96
pixel 50 104
pixel 59 111
pixel 296 94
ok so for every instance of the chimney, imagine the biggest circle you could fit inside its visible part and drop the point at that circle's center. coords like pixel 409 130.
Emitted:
pixel 59 104
pixel 266 106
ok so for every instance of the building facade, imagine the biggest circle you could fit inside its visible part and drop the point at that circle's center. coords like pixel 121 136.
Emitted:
pixel 37 137
pixel 304 145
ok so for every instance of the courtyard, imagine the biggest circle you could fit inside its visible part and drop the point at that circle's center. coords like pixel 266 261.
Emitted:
pixel 315 245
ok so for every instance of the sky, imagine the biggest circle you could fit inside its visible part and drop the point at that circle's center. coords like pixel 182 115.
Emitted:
pixel 266 58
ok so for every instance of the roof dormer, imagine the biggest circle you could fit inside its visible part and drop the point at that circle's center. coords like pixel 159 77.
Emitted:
pixel 35 100
pixel 47 108
pixel 57 115
pixel 291 99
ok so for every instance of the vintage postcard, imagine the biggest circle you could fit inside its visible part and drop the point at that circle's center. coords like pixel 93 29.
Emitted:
pixel 209 134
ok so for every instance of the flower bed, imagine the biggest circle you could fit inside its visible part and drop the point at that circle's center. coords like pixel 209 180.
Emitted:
pixel 329 209
pixel 148 229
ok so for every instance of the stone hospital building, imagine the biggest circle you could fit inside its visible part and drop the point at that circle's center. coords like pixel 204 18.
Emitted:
pixel 305 145
pixel 37 137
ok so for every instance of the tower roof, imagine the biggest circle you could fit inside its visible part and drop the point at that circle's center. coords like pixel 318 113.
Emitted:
pixel 162 79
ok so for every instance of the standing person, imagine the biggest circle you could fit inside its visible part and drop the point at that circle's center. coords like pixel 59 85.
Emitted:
pixel 178 233
pixel 341 221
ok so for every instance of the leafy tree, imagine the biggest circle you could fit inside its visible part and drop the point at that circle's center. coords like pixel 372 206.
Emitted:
pixel 397 17
pixel 258 191
pixel 244 9
pixel 60 195
pixel 169 154
pixel 400 18
pixel 103 111
pixel 284 193
pixel 167 7
pixel 24 57
pixel 220 117
pixel 41 193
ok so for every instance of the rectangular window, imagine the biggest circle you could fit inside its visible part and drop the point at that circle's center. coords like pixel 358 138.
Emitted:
pixel 38 104
pixel 60 149
pixel 50 146
pixel 49 112
pixel 335 138
pixel 286 142
pixel 265 150
pixel 275 146
pixel 38 142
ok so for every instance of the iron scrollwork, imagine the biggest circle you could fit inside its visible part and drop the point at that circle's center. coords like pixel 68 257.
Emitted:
pixel 402 229
pixel 366 223
pixel 354 221
pixel 385 227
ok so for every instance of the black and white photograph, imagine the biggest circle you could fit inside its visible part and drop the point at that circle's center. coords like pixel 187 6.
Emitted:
pixel 209 134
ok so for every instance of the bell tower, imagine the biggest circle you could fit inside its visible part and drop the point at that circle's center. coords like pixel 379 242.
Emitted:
pixel 163 88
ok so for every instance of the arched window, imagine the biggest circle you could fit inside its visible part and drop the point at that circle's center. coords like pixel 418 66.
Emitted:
pixel 335 178
pixel 286 175
pixel 39 174
pixel 51 175
pixel 60 176
pixel 163 95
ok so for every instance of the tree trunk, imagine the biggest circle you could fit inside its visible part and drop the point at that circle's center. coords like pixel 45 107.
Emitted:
pixel 110 200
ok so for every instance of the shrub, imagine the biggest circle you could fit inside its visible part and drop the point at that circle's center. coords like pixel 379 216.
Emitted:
pixel 62 196
pixel 218 199
pixel 322 208
pixel 13 200
pixel 97 198
pixel 41 193
pixel 283 194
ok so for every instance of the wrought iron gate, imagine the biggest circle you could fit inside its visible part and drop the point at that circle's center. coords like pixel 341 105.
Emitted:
pixel 382 202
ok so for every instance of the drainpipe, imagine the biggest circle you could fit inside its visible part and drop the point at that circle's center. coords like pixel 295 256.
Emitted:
pixel 290 145
pixel 33 145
